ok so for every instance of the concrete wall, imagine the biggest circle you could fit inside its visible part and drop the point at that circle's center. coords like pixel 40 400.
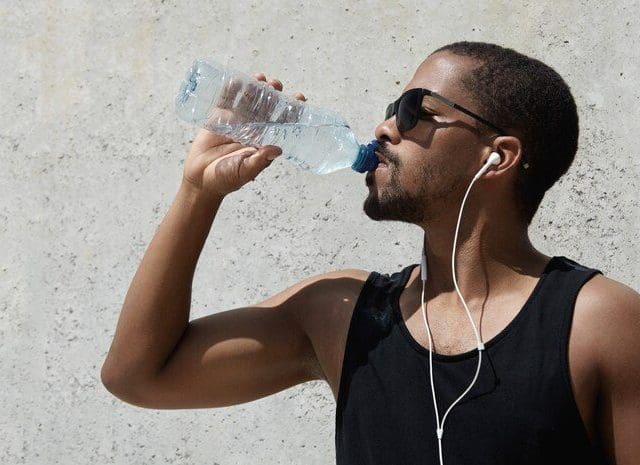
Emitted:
pixel 91 156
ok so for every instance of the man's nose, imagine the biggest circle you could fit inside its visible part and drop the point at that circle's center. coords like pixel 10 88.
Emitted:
pixel 387 130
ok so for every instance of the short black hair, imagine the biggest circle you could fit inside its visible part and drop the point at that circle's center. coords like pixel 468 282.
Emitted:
pixel 517 92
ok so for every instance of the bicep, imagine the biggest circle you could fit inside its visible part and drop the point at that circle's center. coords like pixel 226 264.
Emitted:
pixel 235 356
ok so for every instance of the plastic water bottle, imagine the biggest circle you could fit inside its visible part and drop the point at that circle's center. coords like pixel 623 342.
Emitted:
pixel 231 103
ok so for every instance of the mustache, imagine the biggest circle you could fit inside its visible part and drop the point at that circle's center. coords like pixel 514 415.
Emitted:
pixel 383 148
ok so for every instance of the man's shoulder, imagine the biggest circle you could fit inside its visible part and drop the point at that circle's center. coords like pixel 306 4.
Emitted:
pixel 330 284
pixel 349 273
pixel 602 295
pixel 325 312
pixel 331 289
pixel 607 326
pixel 607 316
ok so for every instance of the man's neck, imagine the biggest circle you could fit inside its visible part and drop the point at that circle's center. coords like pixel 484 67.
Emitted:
pixel 491 257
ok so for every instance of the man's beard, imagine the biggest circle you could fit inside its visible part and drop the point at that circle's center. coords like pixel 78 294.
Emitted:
pixel 396 204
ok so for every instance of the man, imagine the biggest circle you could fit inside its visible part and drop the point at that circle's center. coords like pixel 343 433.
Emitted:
pixel 560 375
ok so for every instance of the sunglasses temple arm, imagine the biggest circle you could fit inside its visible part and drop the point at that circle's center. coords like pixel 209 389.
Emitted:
pixel 479 118
pixel 464 110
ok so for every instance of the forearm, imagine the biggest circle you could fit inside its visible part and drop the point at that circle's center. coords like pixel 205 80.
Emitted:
pixel 156 309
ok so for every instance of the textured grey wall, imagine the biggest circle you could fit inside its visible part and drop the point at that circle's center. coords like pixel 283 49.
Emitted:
pixel 92 154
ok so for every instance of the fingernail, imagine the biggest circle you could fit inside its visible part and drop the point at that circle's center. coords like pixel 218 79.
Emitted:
pixel 275 152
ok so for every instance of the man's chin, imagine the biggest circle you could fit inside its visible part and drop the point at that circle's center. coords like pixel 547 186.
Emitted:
pixel 373 209
pixel 390 209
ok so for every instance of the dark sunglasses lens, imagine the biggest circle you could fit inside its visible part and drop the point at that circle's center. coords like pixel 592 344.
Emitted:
pixel 389 113
pixel 407 110
pixel 400 114
pixel 407 116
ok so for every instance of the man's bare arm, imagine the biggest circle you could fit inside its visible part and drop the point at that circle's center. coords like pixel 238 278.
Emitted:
pixel 156 309
pixel 616 337
pixel 155 314
pixel 240 355
pixel 158 359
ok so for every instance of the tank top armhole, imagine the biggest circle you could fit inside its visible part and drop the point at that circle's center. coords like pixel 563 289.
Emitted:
pixel 565 335
pixel 346 356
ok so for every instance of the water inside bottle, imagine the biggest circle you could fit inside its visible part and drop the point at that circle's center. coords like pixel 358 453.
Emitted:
pixel 249 112
pixel 327 147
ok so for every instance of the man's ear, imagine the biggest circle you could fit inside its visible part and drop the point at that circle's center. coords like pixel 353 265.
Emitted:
pixel 510 150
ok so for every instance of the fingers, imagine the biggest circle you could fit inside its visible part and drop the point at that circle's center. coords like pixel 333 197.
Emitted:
pixel 206 139
pixel 247 162
pixel 292 112
pixel 260 76
pixel 229 150
pixel 259 101
pixel 275 83
pixel 254 156
pixel 229 92
pixel 253 164
pixel 255 101
pixel 270 152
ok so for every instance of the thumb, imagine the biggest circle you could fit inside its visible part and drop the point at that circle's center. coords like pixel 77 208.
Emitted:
pixel 255 163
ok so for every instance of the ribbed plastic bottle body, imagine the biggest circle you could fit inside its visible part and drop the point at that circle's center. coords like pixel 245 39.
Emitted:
pixel 228 102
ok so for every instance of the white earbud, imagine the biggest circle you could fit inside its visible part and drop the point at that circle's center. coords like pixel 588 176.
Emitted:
pixel 494 159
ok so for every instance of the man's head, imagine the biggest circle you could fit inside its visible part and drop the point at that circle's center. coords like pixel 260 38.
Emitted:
pixel 432 164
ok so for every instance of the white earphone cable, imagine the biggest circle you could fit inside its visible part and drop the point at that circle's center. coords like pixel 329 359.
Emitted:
pixel 480 346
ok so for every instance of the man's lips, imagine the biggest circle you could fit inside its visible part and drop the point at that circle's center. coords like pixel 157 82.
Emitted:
pixel 381 159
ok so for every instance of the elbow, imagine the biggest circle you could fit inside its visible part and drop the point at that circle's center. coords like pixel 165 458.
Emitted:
pixel 122 387
pixel 116 382
pixel 111 380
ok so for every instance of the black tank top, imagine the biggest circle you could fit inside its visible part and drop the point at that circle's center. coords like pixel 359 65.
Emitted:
pixel 521 409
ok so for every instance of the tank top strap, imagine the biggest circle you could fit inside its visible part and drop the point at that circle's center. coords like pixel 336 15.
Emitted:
pixel 371 321
pixel 374 308
pixel 556 300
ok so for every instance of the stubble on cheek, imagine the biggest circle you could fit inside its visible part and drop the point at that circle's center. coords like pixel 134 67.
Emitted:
pixel 436 182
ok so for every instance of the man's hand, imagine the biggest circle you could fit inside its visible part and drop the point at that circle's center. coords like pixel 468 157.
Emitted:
pixel 217 166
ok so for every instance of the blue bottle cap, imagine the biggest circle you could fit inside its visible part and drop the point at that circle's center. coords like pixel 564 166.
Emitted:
pixel 366 159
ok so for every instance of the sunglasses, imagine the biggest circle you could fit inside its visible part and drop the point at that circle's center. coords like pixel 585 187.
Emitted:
pixel 409 106
pixel 408 109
